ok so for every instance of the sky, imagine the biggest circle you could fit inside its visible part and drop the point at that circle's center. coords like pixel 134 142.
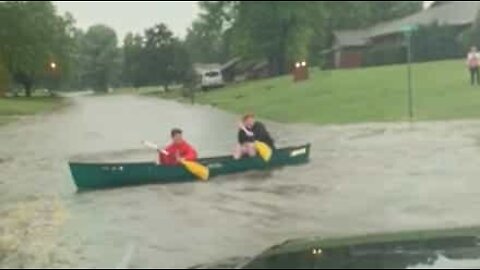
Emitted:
pixel 132 16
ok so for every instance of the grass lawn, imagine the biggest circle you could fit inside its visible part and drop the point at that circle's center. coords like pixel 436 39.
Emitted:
pixel 10 108
pixel 441 91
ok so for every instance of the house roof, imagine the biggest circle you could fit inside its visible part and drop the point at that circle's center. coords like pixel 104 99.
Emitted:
pixel 260 65
pixel 448 13
pixel 202 67
pixel 350 38
pixel 232 62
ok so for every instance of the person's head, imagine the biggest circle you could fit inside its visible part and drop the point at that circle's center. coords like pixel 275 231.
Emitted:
pixel 248 120
pixel 473 49
pixel 176 135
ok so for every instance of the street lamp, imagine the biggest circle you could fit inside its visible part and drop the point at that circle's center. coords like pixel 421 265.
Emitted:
pixel 52 76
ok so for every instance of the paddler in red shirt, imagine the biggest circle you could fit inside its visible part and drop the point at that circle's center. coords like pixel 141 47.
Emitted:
pixel 178 150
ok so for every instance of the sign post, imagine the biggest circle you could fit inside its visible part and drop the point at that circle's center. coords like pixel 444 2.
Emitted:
pixel 408 32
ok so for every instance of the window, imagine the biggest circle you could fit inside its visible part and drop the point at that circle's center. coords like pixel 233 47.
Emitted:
pixel 212 74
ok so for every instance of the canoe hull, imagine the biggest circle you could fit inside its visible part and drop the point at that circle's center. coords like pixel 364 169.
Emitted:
pixel 108 175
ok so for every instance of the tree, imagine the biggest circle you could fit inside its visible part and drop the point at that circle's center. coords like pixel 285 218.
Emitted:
pixel 380 11
pixel 281 32
pixel 32 36
pixel 158 55
pixel 159 62
pixel 182 64
pixel 356 15
pixel 4 79
pixel 208 39
pixel 157 58
pixel 359 14
pixel 435 42
pixel 132 51
pixel 65 47
pixel 78 61
pixel 277 31
pixel 202 46
pixel 99 56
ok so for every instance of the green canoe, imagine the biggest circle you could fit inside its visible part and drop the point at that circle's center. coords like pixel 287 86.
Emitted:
pixel 108 175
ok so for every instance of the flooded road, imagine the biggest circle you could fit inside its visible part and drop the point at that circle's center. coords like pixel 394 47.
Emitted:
pixel 361 179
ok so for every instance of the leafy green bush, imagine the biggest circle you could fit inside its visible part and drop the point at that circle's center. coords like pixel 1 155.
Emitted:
pixel 436 42
pixel 385 54
pixel 4 80
pixel 471 36
pixel 429 43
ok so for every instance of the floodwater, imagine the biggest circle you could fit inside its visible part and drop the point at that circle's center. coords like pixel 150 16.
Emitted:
pixel 361 179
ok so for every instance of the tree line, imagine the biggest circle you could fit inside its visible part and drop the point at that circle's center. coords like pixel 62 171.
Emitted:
pixel 40 48
pixel 281 32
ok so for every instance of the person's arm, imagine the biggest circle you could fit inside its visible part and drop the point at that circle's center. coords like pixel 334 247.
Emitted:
pixel 261 130
pixel 167 150
pixel 165 155
pixel 262 134
pixel 245 130
pixel 242 137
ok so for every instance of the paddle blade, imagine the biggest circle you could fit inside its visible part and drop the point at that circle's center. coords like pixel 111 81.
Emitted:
pixel 197 169
pixel 263 150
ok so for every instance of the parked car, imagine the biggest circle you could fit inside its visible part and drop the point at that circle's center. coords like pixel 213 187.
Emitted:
pixel 212 79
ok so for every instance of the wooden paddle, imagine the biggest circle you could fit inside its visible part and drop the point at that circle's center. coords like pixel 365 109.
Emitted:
pixel 262 148
pixel 197 169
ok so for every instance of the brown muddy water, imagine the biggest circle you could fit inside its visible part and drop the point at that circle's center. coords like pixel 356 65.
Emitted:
pixel 361 179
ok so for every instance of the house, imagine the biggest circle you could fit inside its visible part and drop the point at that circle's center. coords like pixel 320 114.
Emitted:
pixel 349 45
pixel 348 48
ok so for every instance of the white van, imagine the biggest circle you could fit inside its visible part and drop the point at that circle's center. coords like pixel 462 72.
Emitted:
pixel 212 78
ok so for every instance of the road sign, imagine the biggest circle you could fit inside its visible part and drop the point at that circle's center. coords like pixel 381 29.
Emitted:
pixel 407 29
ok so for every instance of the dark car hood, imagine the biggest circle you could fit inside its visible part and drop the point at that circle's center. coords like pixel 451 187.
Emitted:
pixel 398 251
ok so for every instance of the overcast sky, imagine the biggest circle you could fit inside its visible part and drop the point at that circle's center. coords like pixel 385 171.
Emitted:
pixel 134 16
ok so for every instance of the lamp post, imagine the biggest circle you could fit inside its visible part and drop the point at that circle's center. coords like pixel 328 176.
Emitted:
pixel 408 32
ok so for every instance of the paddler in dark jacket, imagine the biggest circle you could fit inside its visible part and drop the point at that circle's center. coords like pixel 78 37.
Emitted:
pixel 250 131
